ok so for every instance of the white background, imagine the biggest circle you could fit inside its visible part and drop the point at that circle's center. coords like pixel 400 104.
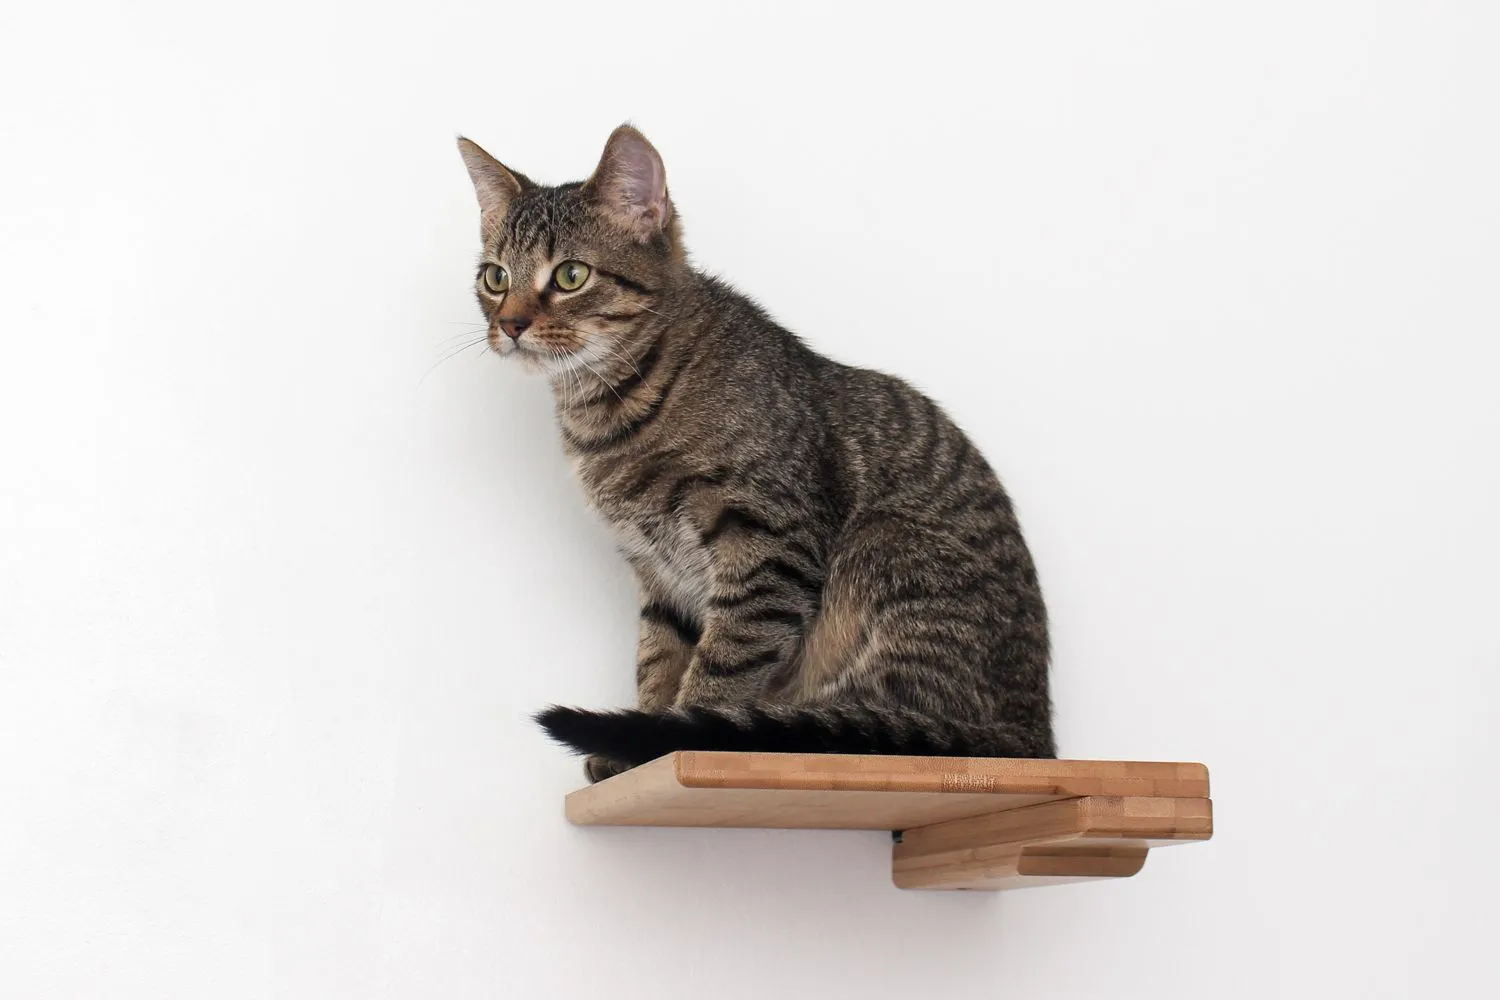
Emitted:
pixel 1214 286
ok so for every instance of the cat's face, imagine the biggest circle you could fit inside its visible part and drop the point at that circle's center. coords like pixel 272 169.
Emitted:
pixel 570 274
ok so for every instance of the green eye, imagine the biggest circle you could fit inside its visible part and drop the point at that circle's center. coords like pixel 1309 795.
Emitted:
pixel 496 279
pixel 570 275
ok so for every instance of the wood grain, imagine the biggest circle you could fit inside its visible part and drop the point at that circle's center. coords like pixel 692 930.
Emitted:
pixel 850 792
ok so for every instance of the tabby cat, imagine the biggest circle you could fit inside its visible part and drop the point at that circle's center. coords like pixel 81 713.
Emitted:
pixel 825 562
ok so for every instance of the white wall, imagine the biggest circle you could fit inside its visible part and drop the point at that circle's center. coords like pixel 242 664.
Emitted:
pixel 1213 285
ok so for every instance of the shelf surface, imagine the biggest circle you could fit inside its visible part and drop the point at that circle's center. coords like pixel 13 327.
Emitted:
pixel 847 792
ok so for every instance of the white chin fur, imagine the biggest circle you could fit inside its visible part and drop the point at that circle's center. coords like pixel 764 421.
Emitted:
pixel 556 367
pixel 551 366
pixel 579 361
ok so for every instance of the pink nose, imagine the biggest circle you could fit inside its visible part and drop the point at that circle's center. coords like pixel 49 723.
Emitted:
pixel 515 327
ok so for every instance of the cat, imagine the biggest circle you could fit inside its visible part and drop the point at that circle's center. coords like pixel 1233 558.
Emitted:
pixel 825 562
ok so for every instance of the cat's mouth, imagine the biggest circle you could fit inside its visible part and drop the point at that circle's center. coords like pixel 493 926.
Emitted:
pixel 506 346
pixel 530 351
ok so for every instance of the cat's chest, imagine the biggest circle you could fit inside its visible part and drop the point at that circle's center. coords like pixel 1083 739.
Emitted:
pixel 671 557
pixel 663 545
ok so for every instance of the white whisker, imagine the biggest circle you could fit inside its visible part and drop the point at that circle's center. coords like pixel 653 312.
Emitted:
pixel 601 378
pixel 452 353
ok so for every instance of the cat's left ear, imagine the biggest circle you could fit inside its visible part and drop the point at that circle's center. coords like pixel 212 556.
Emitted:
pixel 630 184
pixel 495 186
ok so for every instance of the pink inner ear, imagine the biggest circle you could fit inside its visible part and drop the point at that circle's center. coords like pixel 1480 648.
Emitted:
pixel 634 181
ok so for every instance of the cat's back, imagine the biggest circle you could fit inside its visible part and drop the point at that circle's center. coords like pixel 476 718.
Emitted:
pixel 879 441
pixel 903 450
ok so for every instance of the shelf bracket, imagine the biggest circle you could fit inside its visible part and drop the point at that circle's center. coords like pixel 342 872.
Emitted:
pixel 1068 840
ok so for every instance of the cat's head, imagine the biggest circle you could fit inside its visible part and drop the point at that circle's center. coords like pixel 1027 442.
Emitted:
pixel 575 275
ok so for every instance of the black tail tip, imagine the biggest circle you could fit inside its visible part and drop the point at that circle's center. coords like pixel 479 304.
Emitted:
pixel 568 726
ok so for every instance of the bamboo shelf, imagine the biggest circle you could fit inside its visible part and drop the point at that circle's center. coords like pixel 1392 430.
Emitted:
pixel 960 822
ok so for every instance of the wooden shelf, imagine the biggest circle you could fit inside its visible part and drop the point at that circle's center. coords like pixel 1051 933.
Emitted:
pixel 964 822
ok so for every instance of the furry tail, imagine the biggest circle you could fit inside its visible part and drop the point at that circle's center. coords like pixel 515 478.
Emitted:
pixel 633 737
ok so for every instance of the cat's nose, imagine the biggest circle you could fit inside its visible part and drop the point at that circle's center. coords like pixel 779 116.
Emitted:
pixel 515 327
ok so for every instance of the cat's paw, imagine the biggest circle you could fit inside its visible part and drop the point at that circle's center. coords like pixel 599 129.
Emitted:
pixel 598 768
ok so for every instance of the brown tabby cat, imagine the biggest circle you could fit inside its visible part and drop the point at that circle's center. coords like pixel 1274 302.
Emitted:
pixel 826 564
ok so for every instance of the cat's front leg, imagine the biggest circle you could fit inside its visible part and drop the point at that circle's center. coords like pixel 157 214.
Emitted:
pixel 736 662
pixel 663 652
pixel 763 598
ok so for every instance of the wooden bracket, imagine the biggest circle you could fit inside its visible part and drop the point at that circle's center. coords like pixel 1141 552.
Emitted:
pixel 965 822
pixel 1067 840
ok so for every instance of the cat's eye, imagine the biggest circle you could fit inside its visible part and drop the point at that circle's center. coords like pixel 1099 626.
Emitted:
pixel 570 275
pixel 496 279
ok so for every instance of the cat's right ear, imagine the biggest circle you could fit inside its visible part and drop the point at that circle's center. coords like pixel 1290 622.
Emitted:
pixel 495 186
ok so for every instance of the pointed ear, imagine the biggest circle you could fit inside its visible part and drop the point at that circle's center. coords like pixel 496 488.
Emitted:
pixel 630 184
pixel 495 186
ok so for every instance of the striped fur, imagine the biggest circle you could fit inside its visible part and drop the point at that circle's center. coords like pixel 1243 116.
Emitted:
pixel 826 562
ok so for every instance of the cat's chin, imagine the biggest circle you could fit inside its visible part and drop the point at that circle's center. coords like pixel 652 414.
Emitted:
pixel 529 363
pixel 533 362
pixel 513 352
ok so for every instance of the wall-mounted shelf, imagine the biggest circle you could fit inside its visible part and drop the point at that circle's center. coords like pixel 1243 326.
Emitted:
pixel 964 822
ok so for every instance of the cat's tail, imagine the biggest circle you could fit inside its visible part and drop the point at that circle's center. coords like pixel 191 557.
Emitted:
pixel 632 737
